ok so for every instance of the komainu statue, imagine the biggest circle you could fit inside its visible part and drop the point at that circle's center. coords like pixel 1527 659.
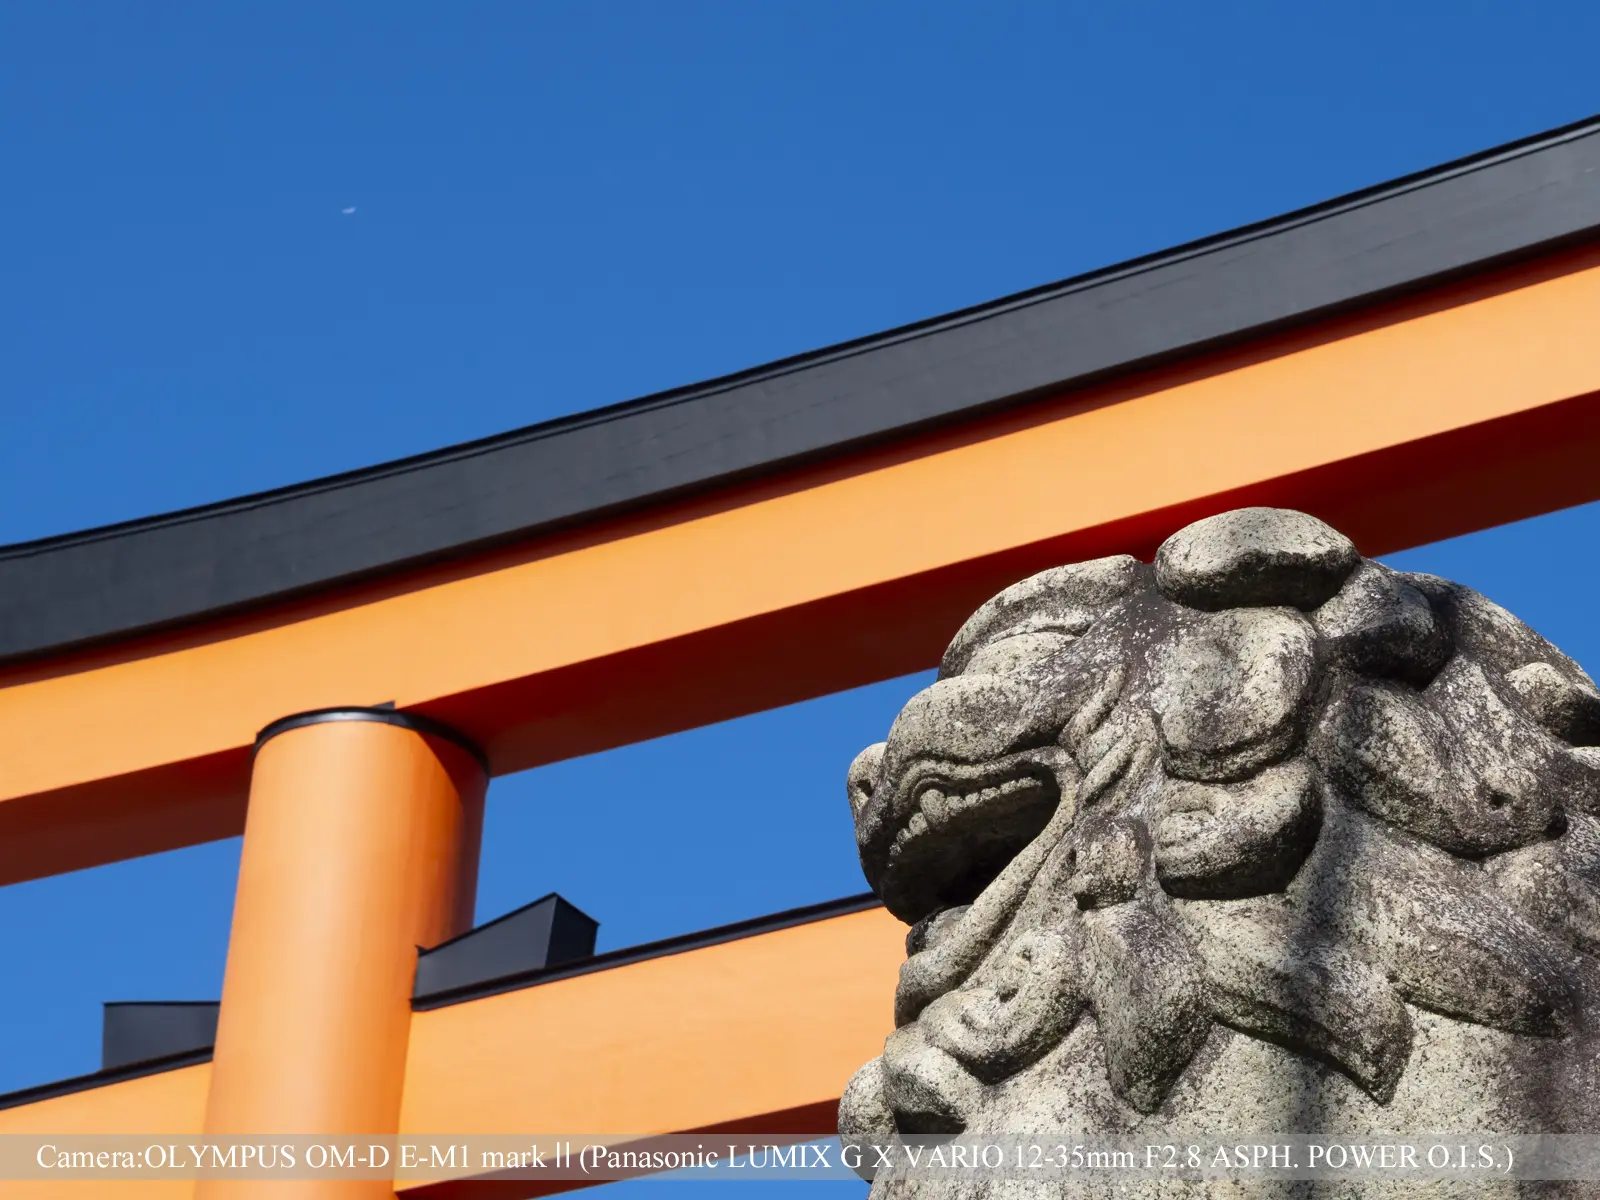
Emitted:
pixel 1264 837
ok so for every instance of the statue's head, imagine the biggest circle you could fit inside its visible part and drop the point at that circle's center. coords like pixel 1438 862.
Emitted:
pixel 1263 791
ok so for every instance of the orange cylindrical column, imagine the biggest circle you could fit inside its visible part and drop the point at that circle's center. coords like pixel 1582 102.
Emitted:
pixel 360 845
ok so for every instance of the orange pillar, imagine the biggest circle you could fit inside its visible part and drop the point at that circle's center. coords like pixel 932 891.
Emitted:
pixel 360 845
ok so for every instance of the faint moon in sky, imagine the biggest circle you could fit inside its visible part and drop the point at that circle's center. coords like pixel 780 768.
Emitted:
pixel 348 211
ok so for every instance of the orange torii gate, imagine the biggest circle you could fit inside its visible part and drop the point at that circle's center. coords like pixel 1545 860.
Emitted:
pixel 356 656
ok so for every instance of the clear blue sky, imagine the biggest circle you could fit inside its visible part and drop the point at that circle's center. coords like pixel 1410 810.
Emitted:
pixel 559 205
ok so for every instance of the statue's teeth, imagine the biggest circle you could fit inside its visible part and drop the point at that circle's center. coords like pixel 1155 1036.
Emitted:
pixel 917 824
pixel 935 807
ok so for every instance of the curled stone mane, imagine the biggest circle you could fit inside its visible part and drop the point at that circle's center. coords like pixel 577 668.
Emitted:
pixel 1265 836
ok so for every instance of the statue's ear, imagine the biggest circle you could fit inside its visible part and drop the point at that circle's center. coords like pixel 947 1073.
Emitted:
pixel 1059 605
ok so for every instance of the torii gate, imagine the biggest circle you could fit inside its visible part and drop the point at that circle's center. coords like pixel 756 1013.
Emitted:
pixel 355 656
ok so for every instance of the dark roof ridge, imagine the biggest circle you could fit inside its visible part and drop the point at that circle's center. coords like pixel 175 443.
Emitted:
pixel 777 367
pixel 114 581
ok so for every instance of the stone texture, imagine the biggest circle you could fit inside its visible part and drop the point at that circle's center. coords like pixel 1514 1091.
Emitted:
pixel 1454 765
pixel 1144 980
pixel 1563 704
pixel 1224 841
pixel 1254 556
pixel 1229 691
pixel 1270 838
pixel 1018 1007
pixel 1047 610
pixel 1301 991
pixel 1379 625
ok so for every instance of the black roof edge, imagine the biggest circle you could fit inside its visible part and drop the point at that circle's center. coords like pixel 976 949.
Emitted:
pixel 621 408
pixel 163 1003
pixel 506 916
pixel 628 955
pixel 1513 201
pixel 96 1079
pixel 770 923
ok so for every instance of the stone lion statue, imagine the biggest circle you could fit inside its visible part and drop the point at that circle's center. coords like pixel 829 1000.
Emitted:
pixel 1264 837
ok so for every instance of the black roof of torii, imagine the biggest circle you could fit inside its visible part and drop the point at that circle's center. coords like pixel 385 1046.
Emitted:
pixel 1512 202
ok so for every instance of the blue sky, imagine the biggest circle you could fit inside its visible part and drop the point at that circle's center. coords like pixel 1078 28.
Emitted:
pixel 560 205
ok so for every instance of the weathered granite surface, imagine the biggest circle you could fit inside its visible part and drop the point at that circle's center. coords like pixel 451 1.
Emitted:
pixel 1265 837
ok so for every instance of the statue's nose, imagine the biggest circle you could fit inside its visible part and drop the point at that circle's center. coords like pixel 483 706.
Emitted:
pixel 965 719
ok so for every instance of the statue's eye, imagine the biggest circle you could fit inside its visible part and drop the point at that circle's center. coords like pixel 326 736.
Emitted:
pixel 1565 703
pixel 862 779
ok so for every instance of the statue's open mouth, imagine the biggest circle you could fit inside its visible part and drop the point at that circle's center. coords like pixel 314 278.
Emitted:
pixel 956 826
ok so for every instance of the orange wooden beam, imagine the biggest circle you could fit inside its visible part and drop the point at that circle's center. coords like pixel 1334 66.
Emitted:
pixel 168 1107
pixel 1450 411
pixel 729 1033
pixel 756 1035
